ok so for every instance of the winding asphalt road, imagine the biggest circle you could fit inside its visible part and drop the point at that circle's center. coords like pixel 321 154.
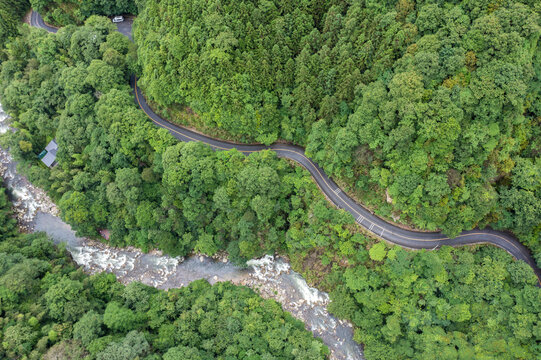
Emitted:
pixel 37 21
pixel 372 223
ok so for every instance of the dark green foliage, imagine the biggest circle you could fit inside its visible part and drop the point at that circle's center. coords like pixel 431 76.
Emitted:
pixel 119 172
pixel 68 12
pixel 50 310
pixel 11 13
pixel 8 224
pixel 436 103
pixel 66 300
pixel 447 304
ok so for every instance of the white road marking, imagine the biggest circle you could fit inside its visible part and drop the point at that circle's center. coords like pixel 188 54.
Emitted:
pixel 337 191
pixel 360 219
pixel 382 231
pixel 371 226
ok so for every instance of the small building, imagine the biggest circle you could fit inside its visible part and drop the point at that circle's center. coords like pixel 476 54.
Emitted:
pixel 48 156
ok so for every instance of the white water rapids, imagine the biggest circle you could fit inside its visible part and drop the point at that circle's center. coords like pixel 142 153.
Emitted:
pixel 269 276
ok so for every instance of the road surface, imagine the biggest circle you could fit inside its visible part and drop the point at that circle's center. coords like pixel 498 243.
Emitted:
pixel 372 223
pixel 37 21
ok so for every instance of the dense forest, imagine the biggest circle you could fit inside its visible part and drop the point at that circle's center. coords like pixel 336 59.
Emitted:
pixel 433 105
pixel 75 12
pixel 51 310
pixel 117 171
pixel 11 13
pixel 447 304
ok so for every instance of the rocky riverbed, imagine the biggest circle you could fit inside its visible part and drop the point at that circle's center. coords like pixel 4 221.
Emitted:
pixel 270 276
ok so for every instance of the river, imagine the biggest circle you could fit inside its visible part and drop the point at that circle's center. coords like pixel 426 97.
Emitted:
pixel 270 276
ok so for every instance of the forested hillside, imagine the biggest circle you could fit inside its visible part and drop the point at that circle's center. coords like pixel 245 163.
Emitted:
pixel 51 310
pixel 435 104
pixel 11 13
pixel 118 171
pixel 446 304
pixel 68 12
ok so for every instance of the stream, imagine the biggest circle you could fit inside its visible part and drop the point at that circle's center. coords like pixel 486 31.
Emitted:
pixel 269 276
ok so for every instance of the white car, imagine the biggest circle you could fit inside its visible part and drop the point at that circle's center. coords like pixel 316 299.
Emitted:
pixel 118 19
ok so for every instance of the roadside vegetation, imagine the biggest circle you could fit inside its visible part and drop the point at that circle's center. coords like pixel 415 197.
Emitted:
pixel 445 304
pixel 118 171
pixel 75 12
pixel 51 310
pixel 434 105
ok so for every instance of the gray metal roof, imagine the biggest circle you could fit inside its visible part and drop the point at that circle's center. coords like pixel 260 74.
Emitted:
pixel 50 157
pixel 52 146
